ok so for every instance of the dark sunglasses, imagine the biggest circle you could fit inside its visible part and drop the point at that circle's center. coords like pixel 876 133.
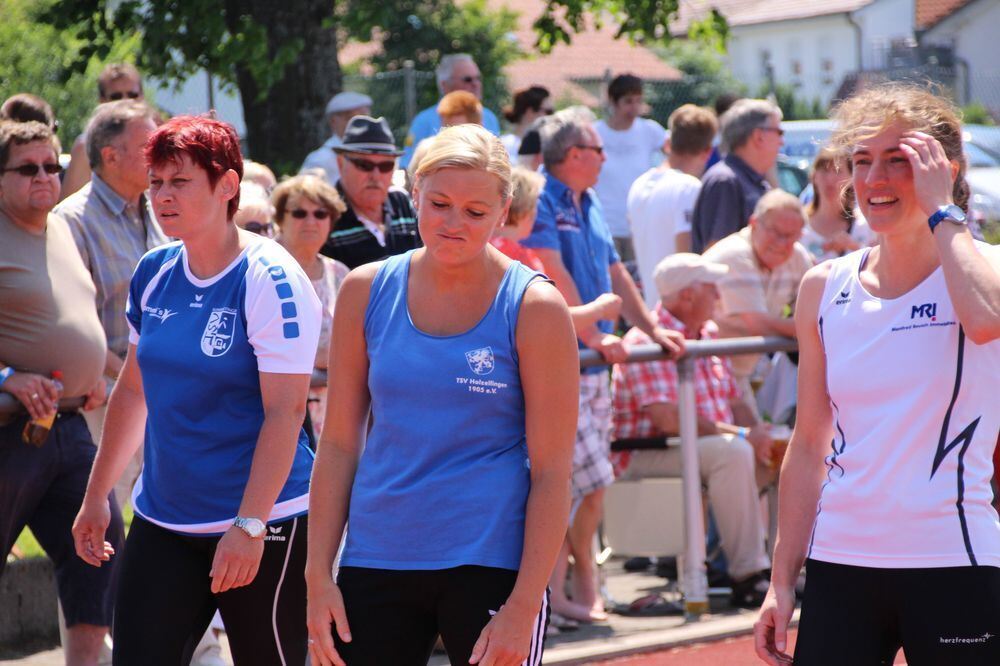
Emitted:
pixel 470 79
pixel 299 214
pixel 131 94
pixel 780 131
pixel 368 166
pixel 597 149
pixel 31 170
pixel 262 228
pixel 547 111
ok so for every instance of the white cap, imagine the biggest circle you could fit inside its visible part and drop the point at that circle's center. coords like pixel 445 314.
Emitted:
pixel 346 101
pixel 684 269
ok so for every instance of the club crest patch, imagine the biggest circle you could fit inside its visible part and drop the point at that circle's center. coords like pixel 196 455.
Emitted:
pixel 480 361
pixel 218 335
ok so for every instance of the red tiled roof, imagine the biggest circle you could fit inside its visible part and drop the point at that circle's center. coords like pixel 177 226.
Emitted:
pixel 590 54
pixel 930 12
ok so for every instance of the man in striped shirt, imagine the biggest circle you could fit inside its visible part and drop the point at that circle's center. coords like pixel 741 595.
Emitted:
pixel 113 226
pixel 380 220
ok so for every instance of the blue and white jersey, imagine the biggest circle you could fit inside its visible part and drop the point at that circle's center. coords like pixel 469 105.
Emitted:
pixel 200 347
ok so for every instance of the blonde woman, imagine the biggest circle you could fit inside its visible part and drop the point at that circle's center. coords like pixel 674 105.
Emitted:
pixel 306 208
pixel 885 490
pixel 458 505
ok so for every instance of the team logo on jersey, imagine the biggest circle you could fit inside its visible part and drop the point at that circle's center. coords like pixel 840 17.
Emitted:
pixel 274 534
pixel 481 360
pixel 218 335
pixel 196 303
pixel 162 314
pixel 845 297
pixel 928 310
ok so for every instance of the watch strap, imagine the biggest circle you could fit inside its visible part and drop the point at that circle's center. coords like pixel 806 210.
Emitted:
pixel 945 213
pixel 937 218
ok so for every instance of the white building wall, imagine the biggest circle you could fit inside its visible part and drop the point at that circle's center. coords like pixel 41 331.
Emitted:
pixel 882 22
pixel 813 54
pixel 972 33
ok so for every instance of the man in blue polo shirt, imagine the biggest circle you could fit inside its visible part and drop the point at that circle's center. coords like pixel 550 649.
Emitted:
pixel 456 71
pixel 576 249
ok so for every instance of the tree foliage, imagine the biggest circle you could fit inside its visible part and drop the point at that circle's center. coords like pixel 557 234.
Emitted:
pixel 701 58
pixel 39 58
pixel 637 20
pixel 425 30
pixel 792 106
pixel 282 54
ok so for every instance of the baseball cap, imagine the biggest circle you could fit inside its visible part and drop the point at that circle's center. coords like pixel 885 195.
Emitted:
pixel 684 269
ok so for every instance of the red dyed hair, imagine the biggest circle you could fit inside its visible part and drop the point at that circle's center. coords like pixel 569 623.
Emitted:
pixel 210 144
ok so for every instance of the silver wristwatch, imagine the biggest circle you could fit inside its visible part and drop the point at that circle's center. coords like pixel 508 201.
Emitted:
pixel 252 526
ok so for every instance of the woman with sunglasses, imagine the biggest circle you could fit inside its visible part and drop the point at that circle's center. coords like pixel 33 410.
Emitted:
pixel 456 508
pixel 306 209
pixel 885 489
pixel 223 329
pixel 380 220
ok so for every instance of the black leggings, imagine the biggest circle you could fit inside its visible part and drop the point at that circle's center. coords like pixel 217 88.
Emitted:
pixel 395 616
pixel 862 616
pixel 165 602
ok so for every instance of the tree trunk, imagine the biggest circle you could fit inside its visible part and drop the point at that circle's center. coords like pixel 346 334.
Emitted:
pixel 289 122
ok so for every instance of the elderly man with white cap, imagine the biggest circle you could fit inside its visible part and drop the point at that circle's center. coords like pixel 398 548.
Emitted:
pixel 339 110
pixel 646 413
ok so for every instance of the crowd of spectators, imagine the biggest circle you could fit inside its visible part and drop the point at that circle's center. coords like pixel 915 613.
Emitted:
pixel 717 253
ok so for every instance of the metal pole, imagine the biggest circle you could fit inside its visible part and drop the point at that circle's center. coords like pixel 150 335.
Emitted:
pixel 694 579
pixel 409 91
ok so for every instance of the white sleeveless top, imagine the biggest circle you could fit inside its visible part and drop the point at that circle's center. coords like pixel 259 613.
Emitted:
pixel 916 413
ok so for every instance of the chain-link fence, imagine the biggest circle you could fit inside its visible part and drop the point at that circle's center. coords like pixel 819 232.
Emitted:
pixel 395 95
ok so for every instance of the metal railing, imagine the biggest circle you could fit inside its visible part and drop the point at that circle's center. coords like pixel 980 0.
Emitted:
pixel 694 576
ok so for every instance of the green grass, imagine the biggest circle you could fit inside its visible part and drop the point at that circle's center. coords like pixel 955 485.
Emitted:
pixel 28 544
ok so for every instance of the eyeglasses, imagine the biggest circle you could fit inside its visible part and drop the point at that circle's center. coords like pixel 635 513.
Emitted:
pixel 779 131
pixel 368 166
pixel 597 149
pixel 131 94
pixel 319 214
pixel 31 170
pixel 261 228
pixel 470 79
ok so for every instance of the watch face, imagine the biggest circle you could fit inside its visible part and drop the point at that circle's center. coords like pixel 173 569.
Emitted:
pixel 254 527
pixel 955 213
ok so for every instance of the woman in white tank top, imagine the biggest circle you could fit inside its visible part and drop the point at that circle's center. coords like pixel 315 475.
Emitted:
pixel 885 491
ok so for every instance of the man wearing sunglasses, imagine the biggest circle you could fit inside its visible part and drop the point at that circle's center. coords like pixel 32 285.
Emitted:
pixel 457 71
pixel 113 226
pixel 117 81
pixel 46 327
pixel 380 220
pixel 751 135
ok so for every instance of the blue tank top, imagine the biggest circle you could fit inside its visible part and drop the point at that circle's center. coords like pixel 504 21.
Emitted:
pixel 443 480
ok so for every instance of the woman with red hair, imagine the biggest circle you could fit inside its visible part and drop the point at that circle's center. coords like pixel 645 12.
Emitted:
pixel 223 330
